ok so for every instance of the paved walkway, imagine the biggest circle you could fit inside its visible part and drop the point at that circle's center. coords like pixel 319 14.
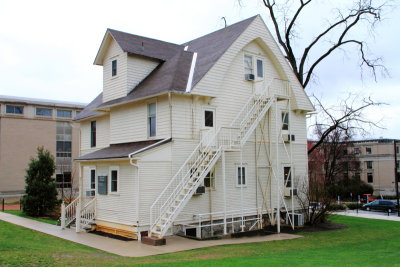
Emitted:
pixel 133 248
pixel 370 215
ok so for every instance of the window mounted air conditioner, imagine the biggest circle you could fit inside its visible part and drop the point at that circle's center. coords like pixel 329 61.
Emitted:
pixel 298 219
pixel 200 190
pixel 288 192
pixel 287 138
pixel 249 77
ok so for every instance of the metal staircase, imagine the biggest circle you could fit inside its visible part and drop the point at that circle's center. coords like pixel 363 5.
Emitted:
pixel 203 158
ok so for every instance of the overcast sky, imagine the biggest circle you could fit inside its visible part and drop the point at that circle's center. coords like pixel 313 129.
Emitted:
pixel 47 48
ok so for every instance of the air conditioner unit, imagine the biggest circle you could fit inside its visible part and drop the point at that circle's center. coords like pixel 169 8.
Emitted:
pixel 90 193
pixel 287 138
pixel 298 219
pixel 249 77
pixel 200 190
pixel 289 192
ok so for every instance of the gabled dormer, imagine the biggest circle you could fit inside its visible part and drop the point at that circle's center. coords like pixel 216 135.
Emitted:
pixel 127 60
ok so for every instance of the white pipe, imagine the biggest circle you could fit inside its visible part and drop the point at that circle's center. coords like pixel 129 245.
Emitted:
pixel 278 205
pixel 224 185
pixel 139 236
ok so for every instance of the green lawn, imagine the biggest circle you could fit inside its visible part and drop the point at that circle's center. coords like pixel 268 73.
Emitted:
pixel 365 243
pixel 20 213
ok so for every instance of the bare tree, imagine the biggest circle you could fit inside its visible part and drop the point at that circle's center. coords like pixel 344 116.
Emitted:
pixel 337 33
pixel 348 115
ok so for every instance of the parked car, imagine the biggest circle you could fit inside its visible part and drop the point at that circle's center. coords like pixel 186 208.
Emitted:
pixel 385 205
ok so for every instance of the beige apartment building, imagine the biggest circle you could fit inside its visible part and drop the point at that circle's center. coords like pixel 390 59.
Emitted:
pixel 377 159
pixel 26 124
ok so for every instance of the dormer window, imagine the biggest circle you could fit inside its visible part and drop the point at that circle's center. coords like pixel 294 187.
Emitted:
pixel 114 67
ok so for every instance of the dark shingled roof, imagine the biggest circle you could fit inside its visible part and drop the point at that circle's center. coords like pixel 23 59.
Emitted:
pixel 172 74
pixel 122 150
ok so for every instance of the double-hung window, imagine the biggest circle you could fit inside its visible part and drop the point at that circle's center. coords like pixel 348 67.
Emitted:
pixel 93 181
pixel 209 180
pixel 114 68
pixel 241 175
pixel 114 179
pixel 260 68
pixel 151 119
pixel 285 120
pixel 369 164
pixel 208 118
pixel 248 65
pixel 287 174
pixel 93 133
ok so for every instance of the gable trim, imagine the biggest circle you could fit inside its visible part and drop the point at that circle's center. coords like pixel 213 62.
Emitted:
pixel 190 79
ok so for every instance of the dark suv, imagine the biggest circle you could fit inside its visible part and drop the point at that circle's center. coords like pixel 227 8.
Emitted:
pixel 385 205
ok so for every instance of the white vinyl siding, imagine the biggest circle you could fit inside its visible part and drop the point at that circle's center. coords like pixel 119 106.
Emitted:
pixel 138 69
pixel 114 86
pixel 102 134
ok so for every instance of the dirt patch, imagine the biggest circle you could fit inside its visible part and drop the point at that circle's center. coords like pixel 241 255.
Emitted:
pixel 10 207
pixel 328 226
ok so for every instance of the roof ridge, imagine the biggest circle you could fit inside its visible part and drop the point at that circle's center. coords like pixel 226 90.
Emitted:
pixel 141 36
pixel 225 28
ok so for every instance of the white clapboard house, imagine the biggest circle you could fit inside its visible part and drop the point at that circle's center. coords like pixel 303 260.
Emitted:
pixel 200 139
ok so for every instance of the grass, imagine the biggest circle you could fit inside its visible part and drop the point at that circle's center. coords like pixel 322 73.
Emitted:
pixel 21 214
pixel 365 243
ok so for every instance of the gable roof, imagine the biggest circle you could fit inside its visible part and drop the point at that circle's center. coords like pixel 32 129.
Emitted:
pixel 173 72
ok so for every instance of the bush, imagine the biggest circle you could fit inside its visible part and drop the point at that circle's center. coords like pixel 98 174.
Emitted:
pixel 334 207
pixel 353 205
pixel 40 189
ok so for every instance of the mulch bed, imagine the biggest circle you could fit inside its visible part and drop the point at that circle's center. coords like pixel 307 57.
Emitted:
pixel 328 226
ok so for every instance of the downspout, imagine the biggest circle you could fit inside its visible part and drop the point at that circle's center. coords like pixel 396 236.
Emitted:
pixel 139 236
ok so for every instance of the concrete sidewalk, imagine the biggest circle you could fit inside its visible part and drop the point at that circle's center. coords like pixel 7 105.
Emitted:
pixel 133 248
pixel 369 215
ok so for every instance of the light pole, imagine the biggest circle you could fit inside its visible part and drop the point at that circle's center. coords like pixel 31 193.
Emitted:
pixel 396 177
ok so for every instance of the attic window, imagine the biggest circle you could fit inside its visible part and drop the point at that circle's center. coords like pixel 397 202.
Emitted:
pixel 114 67
pixel 260 69
pixel 248 65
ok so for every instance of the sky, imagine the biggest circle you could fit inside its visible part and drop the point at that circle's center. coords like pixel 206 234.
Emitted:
pixel 47 48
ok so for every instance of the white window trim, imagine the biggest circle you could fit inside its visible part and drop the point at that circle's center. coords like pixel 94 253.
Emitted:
pixel 252 63
pixel 288 116
pixel 44 116
pixel 244 165
pixel 211 188
pixel 113 168
pixel 291 175
pixel 90 178
pixel 256 69
pixel 203 117
pixel 147 119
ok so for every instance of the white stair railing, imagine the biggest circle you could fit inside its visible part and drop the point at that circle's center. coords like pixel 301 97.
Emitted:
pixel 70 213
pixel 191 174
pixel 88 213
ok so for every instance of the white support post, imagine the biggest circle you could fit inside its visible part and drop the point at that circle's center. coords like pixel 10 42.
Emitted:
pixel 278 204
pixel 78 217
pixel 224 185
pixel 63 215
pixel 241 188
